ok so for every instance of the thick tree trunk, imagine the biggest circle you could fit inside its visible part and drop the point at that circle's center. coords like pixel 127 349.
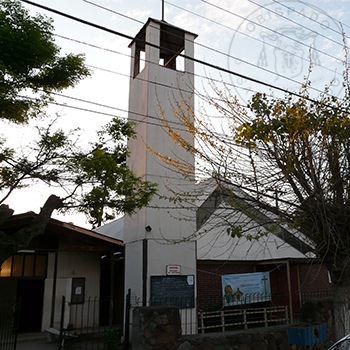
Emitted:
pixel 341 297
pixel 5 213
pixel 11 243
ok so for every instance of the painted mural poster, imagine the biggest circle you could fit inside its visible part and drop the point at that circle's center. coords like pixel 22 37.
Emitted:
pixel 246 288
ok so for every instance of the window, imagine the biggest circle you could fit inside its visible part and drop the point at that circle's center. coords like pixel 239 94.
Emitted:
pixel 24 265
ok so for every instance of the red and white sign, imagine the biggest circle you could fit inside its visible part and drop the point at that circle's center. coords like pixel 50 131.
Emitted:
pixel 173 270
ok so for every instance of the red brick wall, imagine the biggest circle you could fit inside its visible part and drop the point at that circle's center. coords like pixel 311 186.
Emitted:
pixel 314 277
pixel 209 281
pixel 313 281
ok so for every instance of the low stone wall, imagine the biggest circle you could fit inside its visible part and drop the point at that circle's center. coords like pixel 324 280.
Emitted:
pixel 267 338
pixel 156 328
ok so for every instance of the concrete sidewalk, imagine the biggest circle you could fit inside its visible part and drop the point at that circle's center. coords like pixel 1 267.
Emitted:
pixel 34 341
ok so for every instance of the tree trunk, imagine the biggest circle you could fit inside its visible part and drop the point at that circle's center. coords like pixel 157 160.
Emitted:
pixel 341 298
pixel 11 243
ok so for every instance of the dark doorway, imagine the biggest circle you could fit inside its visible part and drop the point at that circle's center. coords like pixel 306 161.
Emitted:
pixel 31 293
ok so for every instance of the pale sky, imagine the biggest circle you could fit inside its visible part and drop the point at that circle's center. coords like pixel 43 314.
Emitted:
pixel 231 33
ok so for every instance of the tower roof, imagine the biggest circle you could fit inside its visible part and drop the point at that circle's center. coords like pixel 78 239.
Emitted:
pixel 171 35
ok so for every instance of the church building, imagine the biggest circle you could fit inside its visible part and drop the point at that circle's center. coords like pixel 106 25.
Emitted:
pixel 160 260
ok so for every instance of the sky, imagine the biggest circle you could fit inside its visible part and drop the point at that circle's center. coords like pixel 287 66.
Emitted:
pixel 269 41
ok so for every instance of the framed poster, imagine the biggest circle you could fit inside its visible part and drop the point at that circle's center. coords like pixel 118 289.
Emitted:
pixel 246 288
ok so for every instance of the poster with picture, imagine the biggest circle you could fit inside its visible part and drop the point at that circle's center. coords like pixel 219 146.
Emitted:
pixel 246 288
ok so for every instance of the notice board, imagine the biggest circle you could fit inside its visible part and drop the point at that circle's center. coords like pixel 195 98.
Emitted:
pixel 173 290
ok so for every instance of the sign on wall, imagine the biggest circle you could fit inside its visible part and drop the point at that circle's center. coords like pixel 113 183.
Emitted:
pixel 246 288
pixel 173 290
pixel 173 270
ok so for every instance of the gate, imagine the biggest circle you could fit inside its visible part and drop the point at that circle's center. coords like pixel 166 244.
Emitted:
pixel 84 326
pixel 9 318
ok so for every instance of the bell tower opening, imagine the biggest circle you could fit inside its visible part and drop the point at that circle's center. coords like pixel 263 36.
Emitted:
pixel 169 42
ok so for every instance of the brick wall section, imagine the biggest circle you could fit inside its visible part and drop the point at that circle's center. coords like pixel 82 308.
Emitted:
pixel 313 280
pixel 209 282
pixel 314 277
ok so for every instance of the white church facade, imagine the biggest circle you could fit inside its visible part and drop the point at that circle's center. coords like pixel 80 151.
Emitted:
pixel 155 237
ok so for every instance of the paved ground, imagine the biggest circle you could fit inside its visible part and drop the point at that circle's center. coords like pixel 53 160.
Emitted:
pixel 37 345
pixel 34 341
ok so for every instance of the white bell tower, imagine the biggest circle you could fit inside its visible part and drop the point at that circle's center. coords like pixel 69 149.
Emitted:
pixel 151 233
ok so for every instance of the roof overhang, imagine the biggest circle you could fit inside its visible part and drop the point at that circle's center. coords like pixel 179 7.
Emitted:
pixel 84 239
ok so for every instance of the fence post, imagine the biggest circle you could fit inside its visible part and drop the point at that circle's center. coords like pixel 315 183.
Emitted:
pixel 245 319
pixel 127 320
pixel 202 322
pixel 287 320
pixel 223 320
pixel 265 317
pixel 61 342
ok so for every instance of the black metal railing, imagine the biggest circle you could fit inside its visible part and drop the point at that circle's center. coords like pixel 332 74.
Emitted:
pixel 89 325
pixel 316 295
pixel 9 319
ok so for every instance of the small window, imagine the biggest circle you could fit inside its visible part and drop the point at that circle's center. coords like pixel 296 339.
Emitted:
pixel 139 61
pixel 78 290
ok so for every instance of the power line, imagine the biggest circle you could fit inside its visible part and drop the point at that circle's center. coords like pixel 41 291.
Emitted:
pixel 118 13
pixel 251 37
pixel 224 53
pixel 157 83
pixel 269 29
pixel 171 51
pixel 297 23
pixel 308 5
pixel 109 114
pixel 149 62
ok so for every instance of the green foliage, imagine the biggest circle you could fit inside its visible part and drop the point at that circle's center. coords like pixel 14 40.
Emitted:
pixel 307 144
pixel 111 183
pixel 234 231
pixel 30 63
pixel 111 339
pixel 96 179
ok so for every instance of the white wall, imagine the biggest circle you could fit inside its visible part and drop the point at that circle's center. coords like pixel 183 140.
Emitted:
pixel 161 216
pixel 70 265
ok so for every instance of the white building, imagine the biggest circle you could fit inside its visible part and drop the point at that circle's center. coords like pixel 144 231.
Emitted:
pixel 156 84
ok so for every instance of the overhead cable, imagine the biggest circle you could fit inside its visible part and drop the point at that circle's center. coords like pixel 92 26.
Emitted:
pixel 211 65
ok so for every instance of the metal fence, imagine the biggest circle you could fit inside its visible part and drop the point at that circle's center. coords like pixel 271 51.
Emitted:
pixel 225 320
pixel 88 325
pixel 304 296
pixel 9 319
pixel 250 310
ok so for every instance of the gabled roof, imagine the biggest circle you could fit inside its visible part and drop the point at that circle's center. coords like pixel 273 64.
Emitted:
pixel 114 229
pixel 87 239
pixel 262 234
pixel 235 199
pixel 175 34
pixel 216 213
